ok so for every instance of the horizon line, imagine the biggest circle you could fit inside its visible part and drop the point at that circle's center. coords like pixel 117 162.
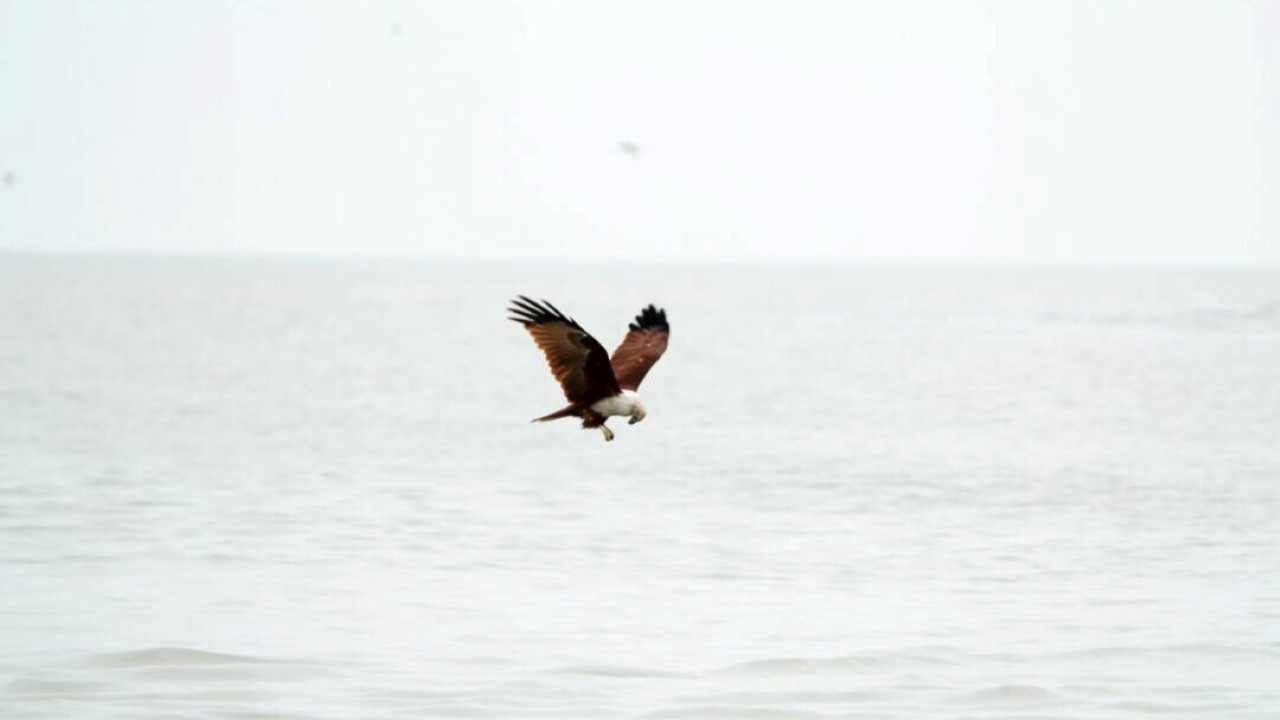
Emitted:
pixel 749 262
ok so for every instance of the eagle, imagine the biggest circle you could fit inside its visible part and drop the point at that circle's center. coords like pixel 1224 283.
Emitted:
pixel 597 386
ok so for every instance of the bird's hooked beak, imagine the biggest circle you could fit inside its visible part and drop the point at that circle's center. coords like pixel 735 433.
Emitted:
pixel 634 419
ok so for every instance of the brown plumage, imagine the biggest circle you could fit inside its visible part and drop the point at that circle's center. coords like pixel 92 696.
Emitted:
pixel 596 386
pixel 641 348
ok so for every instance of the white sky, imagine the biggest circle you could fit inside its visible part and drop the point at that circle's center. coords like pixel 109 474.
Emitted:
pixel 891 131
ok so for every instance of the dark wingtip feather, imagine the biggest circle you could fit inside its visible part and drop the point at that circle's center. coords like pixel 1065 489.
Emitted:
pixel 651 318
pixel 527 311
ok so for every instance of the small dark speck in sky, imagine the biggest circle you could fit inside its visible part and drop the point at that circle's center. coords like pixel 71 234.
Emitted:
pixel 10 179
pixel 396 29
pixel 629 148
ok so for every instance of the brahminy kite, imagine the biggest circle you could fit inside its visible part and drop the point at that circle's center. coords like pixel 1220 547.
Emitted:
pixel 598 387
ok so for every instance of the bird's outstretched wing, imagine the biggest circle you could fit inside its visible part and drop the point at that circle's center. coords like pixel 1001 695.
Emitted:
pixel 641 348
pixel 577 360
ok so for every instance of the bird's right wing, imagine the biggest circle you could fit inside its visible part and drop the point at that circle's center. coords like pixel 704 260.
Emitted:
pixel 641 348
pixel 577 360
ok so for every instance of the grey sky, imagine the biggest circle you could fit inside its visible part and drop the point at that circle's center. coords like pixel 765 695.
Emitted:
pixel 939 131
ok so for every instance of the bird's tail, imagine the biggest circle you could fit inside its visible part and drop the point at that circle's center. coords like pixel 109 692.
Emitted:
pixel 561 413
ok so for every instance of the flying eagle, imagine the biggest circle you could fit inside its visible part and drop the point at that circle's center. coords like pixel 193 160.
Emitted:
pixel 597 386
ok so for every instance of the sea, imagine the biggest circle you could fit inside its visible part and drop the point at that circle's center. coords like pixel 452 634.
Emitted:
pixel 308 488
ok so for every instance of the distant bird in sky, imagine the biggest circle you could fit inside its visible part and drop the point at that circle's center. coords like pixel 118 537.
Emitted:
pixel 629 148
pixel 598 387
pixel 10 179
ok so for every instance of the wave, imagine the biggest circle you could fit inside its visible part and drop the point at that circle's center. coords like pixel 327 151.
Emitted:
pixel 616 671
pixel 1262 316
pixel 792 697
pixel 168 656
pixel 58 688
pixel 177 664
pixel 827 665
pixel 1194 650
pixel 717 712
pixel 1010 694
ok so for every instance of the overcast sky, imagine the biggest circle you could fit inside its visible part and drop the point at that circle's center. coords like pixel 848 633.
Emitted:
pixel 865 132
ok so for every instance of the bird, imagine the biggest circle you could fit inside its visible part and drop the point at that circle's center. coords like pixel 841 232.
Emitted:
pixel 597 386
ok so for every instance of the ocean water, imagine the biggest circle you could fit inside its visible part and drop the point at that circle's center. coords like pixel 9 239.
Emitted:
pixel 309 489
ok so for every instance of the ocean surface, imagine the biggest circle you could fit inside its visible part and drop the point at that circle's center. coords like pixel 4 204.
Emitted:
pixel 309 489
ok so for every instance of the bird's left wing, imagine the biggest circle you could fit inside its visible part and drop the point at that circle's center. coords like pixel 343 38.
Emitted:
pixel 576 359
pixel 641 348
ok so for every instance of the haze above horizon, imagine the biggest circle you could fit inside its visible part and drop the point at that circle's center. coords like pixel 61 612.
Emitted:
pixel 914 133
